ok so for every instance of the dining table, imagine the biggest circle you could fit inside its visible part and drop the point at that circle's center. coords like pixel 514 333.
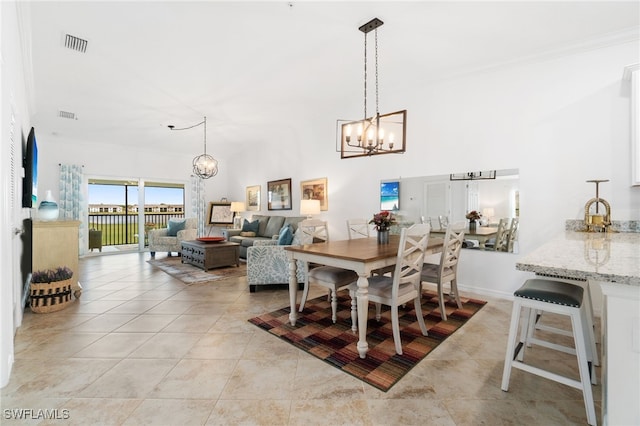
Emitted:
pixel 481 233
pixel 362 255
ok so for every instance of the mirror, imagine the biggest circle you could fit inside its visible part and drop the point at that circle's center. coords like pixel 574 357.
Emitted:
pixel 436 199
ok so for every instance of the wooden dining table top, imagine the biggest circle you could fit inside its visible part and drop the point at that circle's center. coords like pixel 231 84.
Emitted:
pixel 361 249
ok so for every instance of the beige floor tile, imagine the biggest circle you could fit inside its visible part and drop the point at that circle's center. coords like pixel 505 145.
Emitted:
pixel 130 378
pixel 166 345
pixel 163 412
pixel 243 412
pixel 261 379
pixel 140 347
pixel 195 379
pixel 146 323
pixel 114 345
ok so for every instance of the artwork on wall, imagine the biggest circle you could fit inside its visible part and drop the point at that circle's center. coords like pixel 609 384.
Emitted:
pixel 315 189
pixel 390 195
pixel 253 198
pixel 279 194
pixel 220 213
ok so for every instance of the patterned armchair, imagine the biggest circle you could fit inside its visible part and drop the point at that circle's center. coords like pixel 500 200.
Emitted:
pixel 267 263
pixel 160 241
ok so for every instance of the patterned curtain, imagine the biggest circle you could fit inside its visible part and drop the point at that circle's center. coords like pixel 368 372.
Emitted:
pixel 197 202
pixel 72 203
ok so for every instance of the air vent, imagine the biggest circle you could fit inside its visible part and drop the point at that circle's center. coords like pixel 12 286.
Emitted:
pixel 75 43
pixel 65 114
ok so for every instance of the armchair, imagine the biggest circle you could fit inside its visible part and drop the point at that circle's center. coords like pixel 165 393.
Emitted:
pixel 268 263
pixel 159 240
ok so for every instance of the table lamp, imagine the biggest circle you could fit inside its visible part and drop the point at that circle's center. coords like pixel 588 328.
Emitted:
pixel 488 212
pixel 237 207
pixel 309 207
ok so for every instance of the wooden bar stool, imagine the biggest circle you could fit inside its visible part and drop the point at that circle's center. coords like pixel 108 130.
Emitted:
pixel 546 295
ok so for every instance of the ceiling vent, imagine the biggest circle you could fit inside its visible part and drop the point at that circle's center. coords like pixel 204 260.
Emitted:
pixel 75 43
pixel 65 114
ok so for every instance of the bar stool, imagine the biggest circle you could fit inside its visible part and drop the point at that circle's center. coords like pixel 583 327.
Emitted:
pixel 546 295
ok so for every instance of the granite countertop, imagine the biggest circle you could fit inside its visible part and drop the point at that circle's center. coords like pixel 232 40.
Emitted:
pixel 610 256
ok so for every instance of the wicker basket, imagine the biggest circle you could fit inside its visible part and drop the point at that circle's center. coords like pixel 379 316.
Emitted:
pixel 50 297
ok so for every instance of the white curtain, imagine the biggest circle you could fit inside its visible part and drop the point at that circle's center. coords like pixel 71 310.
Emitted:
pixel 197 202
pixel 72 204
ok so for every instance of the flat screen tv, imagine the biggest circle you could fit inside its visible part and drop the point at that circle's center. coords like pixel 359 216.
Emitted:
pixel 390 195
pixel 30 164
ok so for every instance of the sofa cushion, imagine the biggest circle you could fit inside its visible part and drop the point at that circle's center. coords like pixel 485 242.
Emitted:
pixel 251 226
pixel 174 226
pixel 264 220
pixel 273 226
pixel 293 221
pixel 286 236
pixel 247 234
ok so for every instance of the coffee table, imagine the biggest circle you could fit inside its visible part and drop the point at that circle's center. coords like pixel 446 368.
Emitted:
pixel 210 255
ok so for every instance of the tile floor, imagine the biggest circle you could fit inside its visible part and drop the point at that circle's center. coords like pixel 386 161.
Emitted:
pixel 140 347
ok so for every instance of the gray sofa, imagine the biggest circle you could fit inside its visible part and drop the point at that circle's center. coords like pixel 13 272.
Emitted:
pixel 268 229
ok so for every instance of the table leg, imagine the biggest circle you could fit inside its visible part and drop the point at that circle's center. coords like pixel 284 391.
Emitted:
pixel 363 310
pixel 293 290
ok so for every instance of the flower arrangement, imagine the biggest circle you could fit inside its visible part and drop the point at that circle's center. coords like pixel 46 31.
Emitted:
pixel 52 275
pixel 383 220
pixel 473 215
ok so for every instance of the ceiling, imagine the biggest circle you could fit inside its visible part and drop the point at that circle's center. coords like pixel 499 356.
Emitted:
pixel 252 66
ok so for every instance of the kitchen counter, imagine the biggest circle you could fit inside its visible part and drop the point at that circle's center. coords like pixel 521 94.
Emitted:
pixel 611 260
pixel 608 256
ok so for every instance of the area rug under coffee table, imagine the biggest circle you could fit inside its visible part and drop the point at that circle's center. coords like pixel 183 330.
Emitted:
pixel 335 344
pixel 190 274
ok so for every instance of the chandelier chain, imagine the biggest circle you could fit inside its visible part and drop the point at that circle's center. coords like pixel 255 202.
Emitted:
pixel 365 76
pixel 376 34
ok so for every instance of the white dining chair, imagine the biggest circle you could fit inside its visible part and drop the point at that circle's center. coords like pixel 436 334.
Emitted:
pixel 403 286
pixel 501 241
pixel 330 277
pixel 358 228
pixel 446 270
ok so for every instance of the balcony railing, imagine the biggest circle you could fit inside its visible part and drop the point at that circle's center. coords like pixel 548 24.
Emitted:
pixel 120 229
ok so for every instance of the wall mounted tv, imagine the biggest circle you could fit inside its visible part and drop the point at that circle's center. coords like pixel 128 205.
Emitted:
pixel 390 195
pixel 30 164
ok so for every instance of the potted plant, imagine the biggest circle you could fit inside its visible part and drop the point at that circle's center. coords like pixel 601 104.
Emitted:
pixel 50 289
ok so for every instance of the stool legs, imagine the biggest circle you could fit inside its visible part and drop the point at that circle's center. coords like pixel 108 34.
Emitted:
pixel 515 347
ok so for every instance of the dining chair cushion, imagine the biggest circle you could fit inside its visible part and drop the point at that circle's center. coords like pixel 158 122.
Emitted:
pixel 429 270
pixel 341 277
pixel 382 286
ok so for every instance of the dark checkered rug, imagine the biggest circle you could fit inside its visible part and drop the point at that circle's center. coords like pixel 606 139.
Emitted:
pixel 335 344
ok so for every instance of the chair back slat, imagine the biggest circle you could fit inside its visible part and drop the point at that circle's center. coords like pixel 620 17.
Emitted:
pixel 314 231
pixel 453 240
pixel 410 258
pixel 358 228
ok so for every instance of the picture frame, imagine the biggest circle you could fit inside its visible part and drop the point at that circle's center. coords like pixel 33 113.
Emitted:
pixel 390 195
pixel 315 189
pixel 253 198
pixel 220 213
pixel 279 194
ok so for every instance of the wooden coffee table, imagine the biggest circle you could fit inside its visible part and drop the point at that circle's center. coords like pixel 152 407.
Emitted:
pixel 210 255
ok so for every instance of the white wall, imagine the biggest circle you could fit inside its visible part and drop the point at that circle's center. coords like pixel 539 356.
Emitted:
pixel 14 124
pixel 560 122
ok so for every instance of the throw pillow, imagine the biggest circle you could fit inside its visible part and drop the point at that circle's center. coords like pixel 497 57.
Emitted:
pixel 285 237
pixel 247 234
pixel 174 226
pixel 250 226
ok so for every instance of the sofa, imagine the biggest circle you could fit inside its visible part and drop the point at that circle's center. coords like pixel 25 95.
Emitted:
pixel 170 239
pixel 267 228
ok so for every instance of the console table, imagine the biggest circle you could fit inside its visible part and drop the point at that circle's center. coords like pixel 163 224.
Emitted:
pixel 210 255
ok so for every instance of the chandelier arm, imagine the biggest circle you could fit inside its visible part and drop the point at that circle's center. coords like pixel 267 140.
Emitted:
pixel 365 86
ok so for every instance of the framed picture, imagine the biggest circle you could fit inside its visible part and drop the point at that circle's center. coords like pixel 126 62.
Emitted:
pixel 315 189
pixel 220 213
pixel 253 198
pixel 279 194
pixel 390 195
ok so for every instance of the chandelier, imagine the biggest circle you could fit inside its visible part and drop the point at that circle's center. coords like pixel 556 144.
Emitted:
pixel 204 165
pixel 376 134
